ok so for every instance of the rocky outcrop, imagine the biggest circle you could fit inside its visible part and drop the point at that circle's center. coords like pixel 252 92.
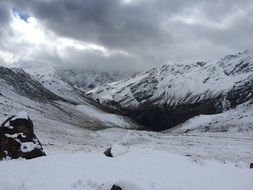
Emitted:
pixel 17 138
pixel 168 95
pixel 108 152
pixel 116 187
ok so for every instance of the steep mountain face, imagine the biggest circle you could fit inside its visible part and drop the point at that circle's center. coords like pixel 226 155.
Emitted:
pixel 170 94
pixel 23 84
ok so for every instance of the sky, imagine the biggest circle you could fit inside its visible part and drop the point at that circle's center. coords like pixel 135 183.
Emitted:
pixel 122 35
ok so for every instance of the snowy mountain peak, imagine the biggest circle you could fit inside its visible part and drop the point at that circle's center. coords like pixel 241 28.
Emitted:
pixel 88 79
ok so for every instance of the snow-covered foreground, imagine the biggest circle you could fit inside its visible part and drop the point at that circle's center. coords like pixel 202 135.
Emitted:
pixel 144 160
pixel 136 169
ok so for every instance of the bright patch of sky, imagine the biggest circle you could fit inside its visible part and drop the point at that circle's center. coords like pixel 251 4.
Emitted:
pixel 23 16
pixel 36 41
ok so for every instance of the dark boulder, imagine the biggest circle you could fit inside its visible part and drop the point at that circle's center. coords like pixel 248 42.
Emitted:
pixel 251 166
pixel 108 152
pixel 116 187
pixel 17 139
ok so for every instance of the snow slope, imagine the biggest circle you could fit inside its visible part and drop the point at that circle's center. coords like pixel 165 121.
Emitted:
pixel 108 118
pixel 21 92
pixel 234 120
pixel 139 169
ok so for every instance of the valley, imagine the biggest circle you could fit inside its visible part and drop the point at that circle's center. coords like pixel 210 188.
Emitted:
pixel 75 129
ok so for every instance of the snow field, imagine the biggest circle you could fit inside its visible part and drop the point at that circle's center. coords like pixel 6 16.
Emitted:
pixel 139 169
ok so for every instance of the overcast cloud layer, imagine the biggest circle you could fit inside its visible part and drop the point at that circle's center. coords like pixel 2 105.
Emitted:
pixel 122 34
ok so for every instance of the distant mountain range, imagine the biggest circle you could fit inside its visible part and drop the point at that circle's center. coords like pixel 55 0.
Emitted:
pixel 71 84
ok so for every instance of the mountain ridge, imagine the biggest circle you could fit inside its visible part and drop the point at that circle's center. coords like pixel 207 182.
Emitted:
pixel 166 96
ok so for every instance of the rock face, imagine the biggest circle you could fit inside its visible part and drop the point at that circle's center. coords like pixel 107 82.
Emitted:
pixel 116 187
pixel 17 139
pixel 168 95
pixel 108 152
pixel 25 85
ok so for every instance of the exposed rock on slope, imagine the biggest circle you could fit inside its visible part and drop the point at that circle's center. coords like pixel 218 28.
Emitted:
pixel 25 85
pixel 17 139
pixel 170 94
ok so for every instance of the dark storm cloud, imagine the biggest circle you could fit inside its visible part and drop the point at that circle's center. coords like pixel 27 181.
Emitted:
pixel 226 23
pixel 151 31
pixel 108 22
pixel 4 14
pixel 4 18
pixel 4 28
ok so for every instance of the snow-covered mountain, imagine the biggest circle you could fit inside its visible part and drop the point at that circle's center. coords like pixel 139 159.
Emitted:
pixel 88 79
pixel 168 95
pixel 24 85
pixel 20 91
pixel 71 84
